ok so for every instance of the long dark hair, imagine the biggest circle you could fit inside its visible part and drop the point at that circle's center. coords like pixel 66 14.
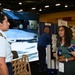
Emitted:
pixel 67 36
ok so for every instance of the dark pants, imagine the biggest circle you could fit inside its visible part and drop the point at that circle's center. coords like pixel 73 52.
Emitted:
pixel 42 58
pixel 69 68
pixel 10 69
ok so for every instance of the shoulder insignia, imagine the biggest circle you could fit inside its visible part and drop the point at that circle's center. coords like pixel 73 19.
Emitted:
pixel 2 35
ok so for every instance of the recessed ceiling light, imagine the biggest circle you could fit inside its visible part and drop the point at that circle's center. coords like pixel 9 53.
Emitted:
pixel 0 3
pixel 33 8
pixel 21 10
pixel 66 6
pixel 40 9
pixel 20 3
pixel 57 4
pixel 1 12
pixel 46 6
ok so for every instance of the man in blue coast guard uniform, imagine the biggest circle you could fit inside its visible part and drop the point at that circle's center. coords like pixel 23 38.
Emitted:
pixel 5 50
pixel 43 41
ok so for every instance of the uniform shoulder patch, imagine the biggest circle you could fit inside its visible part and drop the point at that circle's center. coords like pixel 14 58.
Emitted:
pixel 1 34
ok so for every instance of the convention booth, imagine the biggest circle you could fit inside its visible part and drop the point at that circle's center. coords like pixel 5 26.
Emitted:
pixel 52 63
pixel 23 36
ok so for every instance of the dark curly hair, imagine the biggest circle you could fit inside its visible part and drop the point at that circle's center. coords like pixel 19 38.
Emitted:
pixel 67 36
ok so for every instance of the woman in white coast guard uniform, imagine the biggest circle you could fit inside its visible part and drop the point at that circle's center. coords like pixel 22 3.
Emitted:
pixel 5 50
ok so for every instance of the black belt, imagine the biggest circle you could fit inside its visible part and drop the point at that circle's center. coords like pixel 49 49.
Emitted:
pixel 41 46
pixel 8 63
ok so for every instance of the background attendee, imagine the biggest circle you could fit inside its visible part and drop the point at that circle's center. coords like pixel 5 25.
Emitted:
pixel 71 32
pixel 66 60
pixel 43 41
pixel 5 50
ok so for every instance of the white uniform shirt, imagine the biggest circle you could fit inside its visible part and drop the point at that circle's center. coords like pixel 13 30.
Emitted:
pixel 5 48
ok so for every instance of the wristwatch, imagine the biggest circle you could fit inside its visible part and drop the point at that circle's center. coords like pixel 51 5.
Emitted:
pixel 66 59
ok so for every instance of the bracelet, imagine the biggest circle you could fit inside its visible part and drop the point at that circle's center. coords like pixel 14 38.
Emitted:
pixel 66 59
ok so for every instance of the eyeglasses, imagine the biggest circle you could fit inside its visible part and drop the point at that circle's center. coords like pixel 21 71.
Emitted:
pixel 61 30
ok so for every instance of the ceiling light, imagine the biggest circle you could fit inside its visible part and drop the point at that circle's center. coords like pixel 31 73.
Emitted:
pixel 57 4
pixel 20 3
pixel 40 9
pixel 20 10
pixel 46 6
pixel 0 3
pixel 66 6
pixel 1 12
pixel 33 8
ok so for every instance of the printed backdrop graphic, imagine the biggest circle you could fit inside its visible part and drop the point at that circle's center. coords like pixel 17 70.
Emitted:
pixel 24 42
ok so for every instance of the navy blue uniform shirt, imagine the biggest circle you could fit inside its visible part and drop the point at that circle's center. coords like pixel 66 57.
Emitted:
pixel 44 39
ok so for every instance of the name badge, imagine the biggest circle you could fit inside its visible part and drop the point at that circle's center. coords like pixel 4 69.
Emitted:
pixel 61 67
